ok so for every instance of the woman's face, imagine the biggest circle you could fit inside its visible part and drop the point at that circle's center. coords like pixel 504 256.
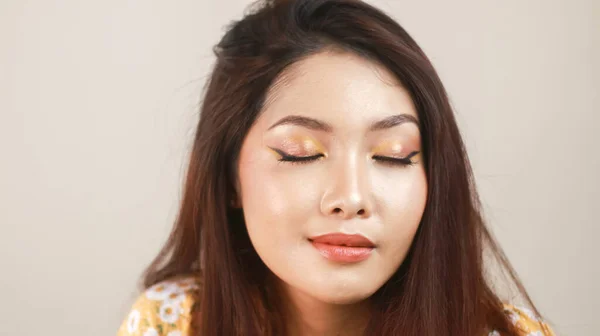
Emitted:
pixel 353 125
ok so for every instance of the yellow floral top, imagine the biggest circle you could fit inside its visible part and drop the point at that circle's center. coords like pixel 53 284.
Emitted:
pixel 165 309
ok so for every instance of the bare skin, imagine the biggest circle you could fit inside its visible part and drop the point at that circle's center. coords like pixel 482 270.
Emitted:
pixel 363 116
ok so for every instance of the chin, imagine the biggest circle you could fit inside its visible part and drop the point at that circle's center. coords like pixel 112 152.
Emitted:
pixel 342 295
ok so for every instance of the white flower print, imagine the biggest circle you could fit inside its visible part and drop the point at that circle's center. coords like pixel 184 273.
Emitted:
pixel 175 297
pixel 133 321
pixel 174 333
pixel 187 284
pixel 169 311
pixel 151 332
pixel 162 291
pixel 494 333
pixel 535 333
pixel 514 317
pixel 529 313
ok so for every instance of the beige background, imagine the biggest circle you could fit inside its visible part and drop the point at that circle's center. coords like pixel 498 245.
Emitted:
pixel 98 103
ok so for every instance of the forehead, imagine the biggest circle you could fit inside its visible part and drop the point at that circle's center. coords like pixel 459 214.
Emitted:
pixel 341 88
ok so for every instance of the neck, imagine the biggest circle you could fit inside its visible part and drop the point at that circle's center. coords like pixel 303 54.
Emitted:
pixel 308 316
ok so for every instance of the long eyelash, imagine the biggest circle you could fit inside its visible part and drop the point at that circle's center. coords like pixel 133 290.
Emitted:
pixel 296 159
pixel 406 161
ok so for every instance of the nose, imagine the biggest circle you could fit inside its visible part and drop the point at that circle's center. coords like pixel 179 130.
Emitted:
pixel 349 193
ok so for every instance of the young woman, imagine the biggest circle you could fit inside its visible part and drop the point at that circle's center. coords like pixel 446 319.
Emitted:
pixel 328 192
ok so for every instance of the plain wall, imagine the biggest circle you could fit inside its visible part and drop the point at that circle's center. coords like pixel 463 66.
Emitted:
pixel 99 99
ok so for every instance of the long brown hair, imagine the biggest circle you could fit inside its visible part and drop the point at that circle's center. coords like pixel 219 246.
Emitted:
pixel 440 288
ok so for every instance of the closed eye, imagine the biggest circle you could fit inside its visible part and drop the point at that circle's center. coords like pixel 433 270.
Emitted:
pixel 296 159
pixel 405 161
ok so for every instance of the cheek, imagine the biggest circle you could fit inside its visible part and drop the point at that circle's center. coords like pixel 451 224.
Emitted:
pixel 402 207
pixel 277 205
pixel 276 202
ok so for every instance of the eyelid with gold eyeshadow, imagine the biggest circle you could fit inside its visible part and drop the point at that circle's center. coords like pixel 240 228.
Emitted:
pixel 291 158
pixel 405 161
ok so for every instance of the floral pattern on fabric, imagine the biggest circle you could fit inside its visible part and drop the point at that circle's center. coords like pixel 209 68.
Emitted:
pixel 165 309
pixel 526 321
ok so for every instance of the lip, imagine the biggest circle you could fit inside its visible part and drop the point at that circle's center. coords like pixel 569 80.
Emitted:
pixel 343 248
pixel 342 239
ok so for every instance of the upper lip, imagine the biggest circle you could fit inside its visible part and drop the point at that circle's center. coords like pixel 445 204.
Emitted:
pixel 341 239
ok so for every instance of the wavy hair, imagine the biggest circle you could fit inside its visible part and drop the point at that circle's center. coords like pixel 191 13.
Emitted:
pixel 441 287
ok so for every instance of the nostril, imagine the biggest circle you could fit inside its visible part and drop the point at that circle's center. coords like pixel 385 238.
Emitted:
pixel 361 212
pixel 337 210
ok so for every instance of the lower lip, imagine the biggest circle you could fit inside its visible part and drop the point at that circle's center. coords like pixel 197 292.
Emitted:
pixel 343 254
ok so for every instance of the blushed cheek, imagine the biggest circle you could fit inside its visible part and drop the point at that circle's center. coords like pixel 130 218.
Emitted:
pixel 275 216
pixel 404 211
pixel 278 189
pixel 270 205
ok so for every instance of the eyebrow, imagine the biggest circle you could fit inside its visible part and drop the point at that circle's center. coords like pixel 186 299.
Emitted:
pixel 318 125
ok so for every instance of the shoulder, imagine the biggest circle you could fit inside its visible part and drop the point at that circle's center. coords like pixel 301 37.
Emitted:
pixel 163 309
pixel 526 321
